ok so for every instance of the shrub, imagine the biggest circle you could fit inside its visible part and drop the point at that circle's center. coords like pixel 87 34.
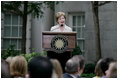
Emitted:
pixel 88 71
pixel 90 75
pixel 77 51
pixel 9 52
pixel 28 57
pixel 89 68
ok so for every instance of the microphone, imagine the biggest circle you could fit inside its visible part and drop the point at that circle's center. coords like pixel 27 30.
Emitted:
pixel 61 25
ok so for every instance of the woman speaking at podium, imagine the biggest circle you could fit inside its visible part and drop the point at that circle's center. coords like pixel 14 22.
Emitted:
pixel 61 26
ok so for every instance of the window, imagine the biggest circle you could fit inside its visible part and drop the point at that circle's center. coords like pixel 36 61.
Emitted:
pixel 12 31
pixel 77 22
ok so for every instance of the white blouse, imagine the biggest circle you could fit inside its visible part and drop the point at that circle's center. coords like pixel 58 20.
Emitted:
pixel 56 28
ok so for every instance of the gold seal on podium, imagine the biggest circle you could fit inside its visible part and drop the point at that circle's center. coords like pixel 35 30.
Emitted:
pixel 59 44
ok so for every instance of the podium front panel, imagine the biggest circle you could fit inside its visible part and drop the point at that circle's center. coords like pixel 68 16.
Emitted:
pixel 48 36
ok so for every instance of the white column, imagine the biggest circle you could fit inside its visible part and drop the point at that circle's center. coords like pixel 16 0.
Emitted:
pixel 28 35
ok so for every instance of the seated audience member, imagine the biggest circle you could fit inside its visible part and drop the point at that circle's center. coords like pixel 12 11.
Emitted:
pixel 73 67
pixel 82 63
pixel 98 70
pixel 5 70
pixel 40 67
pixel 9 59
pixel 105 64
pixel 112 70
pixel 18 67
pixel 57 69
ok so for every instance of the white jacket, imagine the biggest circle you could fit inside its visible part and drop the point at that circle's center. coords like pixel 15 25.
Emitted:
pixel 56 28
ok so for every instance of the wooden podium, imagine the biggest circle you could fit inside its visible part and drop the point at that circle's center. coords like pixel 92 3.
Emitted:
pixel 59 45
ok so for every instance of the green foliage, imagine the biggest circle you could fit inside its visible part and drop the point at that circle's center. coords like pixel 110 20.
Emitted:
pixel 28 57
pixel 51 4
pixel 44 53
pixel 34 7
pixel 90 75
pixel 77 51
pixel 9 52
pixel 88 71
pixel 11 7
pixel 89 68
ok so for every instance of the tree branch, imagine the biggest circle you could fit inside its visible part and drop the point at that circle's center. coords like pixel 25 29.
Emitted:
pixel 12 11
pixel 11 7
pixel 100 3
pixel 17 9
pixel 105 2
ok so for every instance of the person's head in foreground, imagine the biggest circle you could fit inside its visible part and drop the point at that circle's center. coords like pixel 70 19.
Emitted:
pixel 112 70
pixel 18 67
pixel 57 69
pixel 72 68
pixel 40 67
pixel 98 70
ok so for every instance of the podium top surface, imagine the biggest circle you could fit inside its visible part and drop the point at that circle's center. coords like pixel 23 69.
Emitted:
pixel 55 33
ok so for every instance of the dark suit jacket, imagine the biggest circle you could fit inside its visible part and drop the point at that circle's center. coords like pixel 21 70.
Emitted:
pixel 65 75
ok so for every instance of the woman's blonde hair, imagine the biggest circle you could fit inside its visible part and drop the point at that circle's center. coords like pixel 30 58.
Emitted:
pixel 9 59
pixel 98 70
pixel 113 69
pixel 18 66
pixel 59 14
pixel 57 68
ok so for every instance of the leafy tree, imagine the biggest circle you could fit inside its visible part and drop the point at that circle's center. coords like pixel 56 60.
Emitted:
pixel 23 8
pixel 95 8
